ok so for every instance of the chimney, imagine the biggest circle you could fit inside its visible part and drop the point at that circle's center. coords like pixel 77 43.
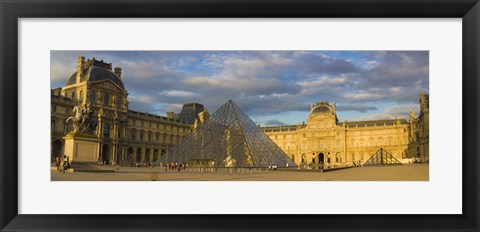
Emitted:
pixel 80 63
pixel 334 108
pixel 118 71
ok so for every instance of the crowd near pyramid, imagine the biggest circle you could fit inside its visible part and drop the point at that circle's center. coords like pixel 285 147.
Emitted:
pixel 229 139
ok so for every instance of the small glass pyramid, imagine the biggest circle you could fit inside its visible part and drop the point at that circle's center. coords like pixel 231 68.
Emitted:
pixel 229 139
pixel 382 157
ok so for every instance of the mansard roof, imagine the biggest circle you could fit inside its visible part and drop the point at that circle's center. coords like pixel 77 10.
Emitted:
pixel 94 70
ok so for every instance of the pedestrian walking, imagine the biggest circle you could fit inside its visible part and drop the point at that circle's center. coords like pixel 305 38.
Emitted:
pixel 57 162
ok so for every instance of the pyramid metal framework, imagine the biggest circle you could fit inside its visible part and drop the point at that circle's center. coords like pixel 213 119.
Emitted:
pixel 382 157
pixel 229 139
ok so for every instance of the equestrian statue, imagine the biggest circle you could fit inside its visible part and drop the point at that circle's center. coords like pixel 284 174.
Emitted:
pixel 84 120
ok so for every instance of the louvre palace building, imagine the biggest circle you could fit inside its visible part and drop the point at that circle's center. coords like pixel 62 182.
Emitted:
pixel 122 134
pixel 325 140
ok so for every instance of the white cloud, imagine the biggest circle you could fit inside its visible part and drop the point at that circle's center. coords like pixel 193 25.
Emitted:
pixel 141 99
pixel 364 96
pixel 177 93
pixel 371 64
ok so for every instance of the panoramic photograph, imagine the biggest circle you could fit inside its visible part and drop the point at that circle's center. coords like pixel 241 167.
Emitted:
pixel 300 115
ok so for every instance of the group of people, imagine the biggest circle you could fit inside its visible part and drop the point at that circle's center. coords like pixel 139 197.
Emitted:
pixel 174 166
pixel 274 167
pixel 145 165
pixel 62 164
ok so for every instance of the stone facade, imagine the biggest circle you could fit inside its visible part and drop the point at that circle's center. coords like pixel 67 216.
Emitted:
pixel 419 132
pixel 323 140
pixel 121 134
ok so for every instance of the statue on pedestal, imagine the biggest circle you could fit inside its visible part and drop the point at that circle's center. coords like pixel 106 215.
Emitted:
pixel 83 121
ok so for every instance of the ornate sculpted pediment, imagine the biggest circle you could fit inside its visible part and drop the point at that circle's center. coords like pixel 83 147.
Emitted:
pixel 109 85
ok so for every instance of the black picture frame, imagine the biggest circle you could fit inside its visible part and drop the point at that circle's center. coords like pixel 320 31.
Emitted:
pixel 11 11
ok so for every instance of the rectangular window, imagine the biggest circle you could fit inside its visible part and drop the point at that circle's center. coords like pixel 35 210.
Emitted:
pixel 119 102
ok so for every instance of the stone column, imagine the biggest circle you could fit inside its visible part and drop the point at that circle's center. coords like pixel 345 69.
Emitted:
pixel 114 127
pixel 100 151
pixel 99 127
pixel 122 153
pixel 114 152
pixel 151 154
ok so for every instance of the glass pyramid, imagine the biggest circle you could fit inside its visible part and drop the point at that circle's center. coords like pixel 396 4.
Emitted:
pixel 229 139
pixel 382 157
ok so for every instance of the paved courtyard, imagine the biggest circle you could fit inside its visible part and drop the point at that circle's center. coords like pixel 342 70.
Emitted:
pixel 408 172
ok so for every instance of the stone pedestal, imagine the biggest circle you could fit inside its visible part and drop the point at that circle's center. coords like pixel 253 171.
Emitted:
pixel 82 147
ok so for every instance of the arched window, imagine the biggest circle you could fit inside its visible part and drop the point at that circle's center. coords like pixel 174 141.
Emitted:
pixel 106 130
pixel 106 100
pixel 73 96
pixel 93 97
pixel 119 102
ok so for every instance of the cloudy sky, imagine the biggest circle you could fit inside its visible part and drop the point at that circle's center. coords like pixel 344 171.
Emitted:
pixel 272 87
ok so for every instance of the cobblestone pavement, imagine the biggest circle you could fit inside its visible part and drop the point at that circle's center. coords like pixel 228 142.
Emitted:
pixel 408 172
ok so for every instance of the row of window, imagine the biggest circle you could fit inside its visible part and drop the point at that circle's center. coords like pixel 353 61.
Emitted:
pixel 106 100
pixel 93 99
pixel 371 142
pixel 158 126
pixel 141 137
